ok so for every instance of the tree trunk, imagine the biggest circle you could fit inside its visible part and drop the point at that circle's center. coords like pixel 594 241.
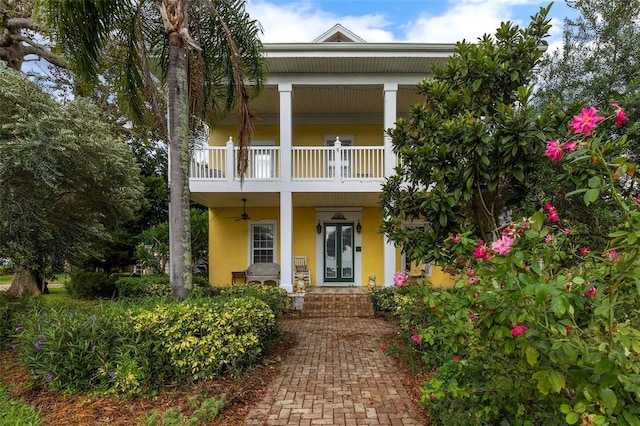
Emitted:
pixel 24 282
pixel 179 221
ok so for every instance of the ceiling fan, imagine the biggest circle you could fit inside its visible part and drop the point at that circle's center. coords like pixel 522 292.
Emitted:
pixel 244 215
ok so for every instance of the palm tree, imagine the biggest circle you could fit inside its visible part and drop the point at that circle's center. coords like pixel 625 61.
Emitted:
pixel 201 51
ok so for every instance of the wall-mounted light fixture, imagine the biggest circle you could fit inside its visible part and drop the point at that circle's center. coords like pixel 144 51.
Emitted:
pixel 358 227
pixel 319 228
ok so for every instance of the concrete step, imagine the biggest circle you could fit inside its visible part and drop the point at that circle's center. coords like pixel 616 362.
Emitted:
pixel 337 302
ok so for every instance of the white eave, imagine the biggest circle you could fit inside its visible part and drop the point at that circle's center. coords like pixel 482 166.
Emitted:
pixel 385 58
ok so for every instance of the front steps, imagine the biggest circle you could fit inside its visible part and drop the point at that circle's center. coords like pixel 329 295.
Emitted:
pixel 322 302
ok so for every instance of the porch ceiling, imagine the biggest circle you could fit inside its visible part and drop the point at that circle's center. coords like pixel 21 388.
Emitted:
pixel 329 102
pixel 306 199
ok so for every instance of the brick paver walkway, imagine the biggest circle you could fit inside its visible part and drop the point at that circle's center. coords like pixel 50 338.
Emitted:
pixel 337 375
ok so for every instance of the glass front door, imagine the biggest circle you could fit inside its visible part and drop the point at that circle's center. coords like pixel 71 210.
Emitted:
pixel 338 252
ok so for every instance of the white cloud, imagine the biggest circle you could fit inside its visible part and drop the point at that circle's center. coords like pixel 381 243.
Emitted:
pixel 302 22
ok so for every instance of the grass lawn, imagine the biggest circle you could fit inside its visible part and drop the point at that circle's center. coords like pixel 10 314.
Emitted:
pixel 6 279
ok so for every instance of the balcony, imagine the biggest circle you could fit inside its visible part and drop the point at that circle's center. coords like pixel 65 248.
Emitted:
pixel 307 164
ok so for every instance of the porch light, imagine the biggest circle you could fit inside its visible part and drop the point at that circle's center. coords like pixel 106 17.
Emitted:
pixel 319 228
pixel 358 227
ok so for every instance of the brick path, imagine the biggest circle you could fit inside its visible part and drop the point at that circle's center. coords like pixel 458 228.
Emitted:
pixel 337 375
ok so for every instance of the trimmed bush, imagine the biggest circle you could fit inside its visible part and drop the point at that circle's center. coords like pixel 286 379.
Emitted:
pixel 384 299
pixel 276 297
pixel 91 285
pixel 202 338
pixel 158 286
pixel 147 286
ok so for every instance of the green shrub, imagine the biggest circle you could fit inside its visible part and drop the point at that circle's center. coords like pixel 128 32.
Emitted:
pixel 17 413
pixel 147 286
pixel 91 285
pixel 202 338
pixel 11 313
pixel 158 286
pixel 276 297
pixel 383 299
pixel 76 350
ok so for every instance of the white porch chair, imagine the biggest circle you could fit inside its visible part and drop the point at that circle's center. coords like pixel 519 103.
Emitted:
pixel 300 268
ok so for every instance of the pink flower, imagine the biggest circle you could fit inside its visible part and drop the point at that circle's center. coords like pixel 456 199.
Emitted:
pixel 612 256
pixel 568 328
pixel 400 278
pixel 566 231
pixel 472 315
pixel 383 349
pixel 455 357
pixel 470 273
pixel 475 295
pixel 592 292
pixel 620 115
pixel 553 214
pixel 432 397
pixel 571 145
pixel 481 251
pixel 584 250
pixel 553 151
pixel 503 245
pixel 548 238
pixel 455 239
pixel 518 329
pixel 416 338
pixel 586 121
pixel 473 280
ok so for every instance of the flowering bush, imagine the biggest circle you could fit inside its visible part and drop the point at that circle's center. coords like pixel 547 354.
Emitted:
pixel 544 331
pixel 132 349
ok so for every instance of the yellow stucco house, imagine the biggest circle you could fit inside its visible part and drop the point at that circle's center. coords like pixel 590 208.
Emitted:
pixel 317 161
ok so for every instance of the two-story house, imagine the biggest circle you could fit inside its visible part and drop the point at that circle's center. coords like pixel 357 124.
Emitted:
pixel 316 163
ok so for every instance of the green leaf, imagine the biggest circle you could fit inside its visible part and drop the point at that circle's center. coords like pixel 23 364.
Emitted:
pixel 476 84
pixel 532 355
pixel 537 221
pixel 517 173
pixel 557 381
pixel 608 398
pixel 591 195
pixel 572 418
pixel 558 306
pixel 595 182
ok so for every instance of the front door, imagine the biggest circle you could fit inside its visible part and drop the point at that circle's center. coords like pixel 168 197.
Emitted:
pixel 338 253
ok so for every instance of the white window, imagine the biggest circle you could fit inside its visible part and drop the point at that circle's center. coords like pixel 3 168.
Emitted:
pixel 262 242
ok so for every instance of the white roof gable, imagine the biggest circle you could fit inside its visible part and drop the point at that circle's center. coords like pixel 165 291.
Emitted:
pixel 338 34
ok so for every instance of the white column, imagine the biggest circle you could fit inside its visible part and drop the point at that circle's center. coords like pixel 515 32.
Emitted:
pixel 230 170
pixel 390 114
pixel 286 241
pixel 389 259
pixel 286 132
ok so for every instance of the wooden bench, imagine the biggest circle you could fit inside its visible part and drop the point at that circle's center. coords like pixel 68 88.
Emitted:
pixel 263 272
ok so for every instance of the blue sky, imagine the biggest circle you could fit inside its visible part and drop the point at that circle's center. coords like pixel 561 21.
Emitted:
pixel 424 21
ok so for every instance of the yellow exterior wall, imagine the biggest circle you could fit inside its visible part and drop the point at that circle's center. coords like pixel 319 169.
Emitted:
pixel 438 276
pixel 229 244
pixel 372 246
pixel 229 241
pixel 304 238
pixel 369 135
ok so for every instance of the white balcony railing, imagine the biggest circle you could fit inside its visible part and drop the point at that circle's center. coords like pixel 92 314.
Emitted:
pixel 315 163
